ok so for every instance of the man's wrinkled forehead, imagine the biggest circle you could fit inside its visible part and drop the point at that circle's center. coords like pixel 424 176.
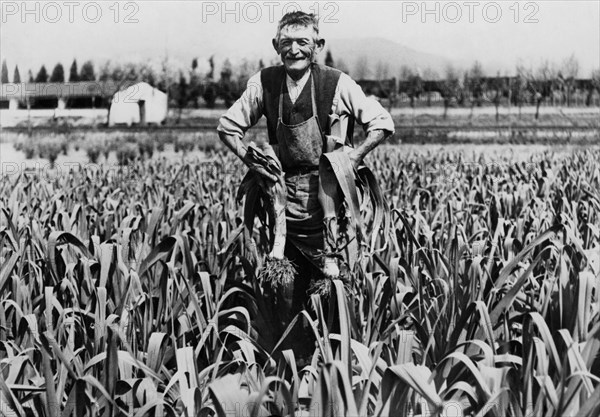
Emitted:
pixel 298 32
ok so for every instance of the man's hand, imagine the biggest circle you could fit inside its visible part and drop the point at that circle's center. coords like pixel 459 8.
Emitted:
pixel 262 174
pixel 264 178
pixel 355 157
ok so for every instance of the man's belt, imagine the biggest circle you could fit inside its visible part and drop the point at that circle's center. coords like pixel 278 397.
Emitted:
pixel 290 172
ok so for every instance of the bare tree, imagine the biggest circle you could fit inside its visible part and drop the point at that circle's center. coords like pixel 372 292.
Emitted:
pixel 411 84
pixel 570 67
pixel 568 71
pixel 404 82
pixel 405 73
pixel 547 75
pixel 430 77
pixel 147 74
pixel 497 86
pixel 539 85
pixel 474 84
pixel 382 70
pixel 594 86
pixel 519 87
pixel 450 88
pixel 430 74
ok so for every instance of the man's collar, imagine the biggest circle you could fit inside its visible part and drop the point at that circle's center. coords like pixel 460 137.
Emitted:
pixel 301 81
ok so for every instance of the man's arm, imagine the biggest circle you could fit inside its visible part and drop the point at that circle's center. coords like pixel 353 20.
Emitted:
pixel 235 144
pixel 376 121
pixel 240 117
pixel 374 138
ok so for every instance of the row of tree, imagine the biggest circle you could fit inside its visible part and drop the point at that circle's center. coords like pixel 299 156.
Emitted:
pixel 569 69
pixel 473 87
pixel 57 76
pixel 186 87
pixel 201 81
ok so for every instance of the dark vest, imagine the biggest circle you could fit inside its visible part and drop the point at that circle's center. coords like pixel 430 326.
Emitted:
pixel 325 79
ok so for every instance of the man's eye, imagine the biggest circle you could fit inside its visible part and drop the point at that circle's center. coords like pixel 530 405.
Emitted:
pixel 289 43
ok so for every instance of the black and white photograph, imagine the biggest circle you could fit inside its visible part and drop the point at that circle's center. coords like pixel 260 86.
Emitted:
pixel 311 208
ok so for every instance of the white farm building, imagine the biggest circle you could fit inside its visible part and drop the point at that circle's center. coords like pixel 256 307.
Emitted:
pixel 138 104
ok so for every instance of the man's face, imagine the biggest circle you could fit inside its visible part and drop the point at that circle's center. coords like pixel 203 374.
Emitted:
pixel 298 46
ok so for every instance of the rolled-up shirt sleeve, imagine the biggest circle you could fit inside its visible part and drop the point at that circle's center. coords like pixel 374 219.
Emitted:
pixel 245 112
pixel 367 111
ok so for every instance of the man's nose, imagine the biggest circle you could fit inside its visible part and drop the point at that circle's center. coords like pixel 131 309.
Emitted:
pixel 295 47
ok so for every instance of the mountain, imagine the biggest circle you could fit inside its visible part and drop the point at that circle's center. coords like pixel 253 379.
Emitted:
pixel 377 54
pixel 381 58
pixel 380 55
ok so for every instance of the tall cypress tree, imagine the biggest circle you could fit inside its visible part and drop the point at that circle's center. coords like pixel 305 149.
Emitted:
pixel 87 72
pixel 16 75
pixel 211 74
pixel 42 75
pixel 58 74
pixel 73 73
pixel 4 76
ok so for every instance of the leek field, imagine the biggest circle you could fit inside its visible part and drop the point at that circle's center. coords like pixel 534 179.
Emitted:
pixel 127 290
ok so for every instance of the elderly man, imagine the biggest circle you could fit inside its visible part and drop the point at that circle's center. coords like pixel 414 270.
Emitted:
pixel 299 100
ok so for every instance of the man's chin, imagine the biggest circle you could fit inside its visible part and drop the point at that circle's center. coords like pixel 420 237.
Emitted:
pixel 296 67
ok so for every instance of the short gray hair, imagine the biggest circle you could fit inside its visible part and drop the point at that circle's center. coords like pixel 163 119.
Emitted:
pixel 298 18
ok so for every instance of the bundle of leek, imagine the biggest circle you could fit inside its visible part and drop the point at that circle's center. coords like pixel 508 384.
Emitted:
pixel 346 241
pixel 276 269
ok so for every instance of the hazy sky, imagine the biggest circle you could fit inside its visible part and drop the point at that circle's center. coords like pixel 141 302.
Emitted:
pixel 502 31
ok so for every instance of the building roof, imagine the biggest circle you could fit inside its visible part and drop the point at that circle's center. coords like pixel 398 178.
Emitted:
pixel 141 91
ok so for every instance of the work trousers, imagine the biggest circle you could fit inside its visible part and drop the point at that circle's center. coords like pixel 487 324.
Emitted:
pixel 304 241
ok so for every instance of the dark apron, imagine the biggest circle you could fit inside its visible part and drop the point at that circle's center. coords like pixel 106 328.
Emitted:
pixel 300 145
pixel 299 149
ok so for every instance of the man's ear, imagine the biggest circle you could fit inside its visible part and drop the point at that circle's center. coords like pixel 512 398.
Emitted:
pixel 320 45
pixel 275 45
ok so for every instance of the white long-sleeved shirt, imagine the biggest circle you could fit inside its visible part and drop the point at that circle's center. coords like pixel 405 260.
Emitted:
pixel 348 99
